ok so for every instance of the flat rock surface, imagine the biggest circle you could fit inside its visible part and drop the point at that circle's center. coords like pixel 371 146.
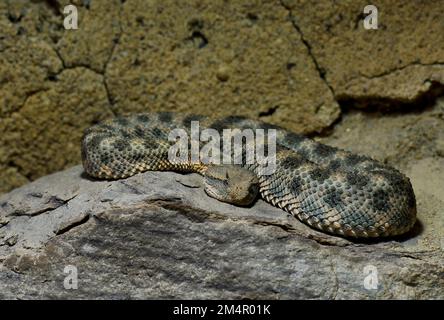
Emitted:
pixel 158 235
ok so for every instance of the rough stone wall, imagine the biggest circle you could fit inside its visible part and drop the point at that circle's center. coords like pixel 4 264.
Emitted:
pixel 291 63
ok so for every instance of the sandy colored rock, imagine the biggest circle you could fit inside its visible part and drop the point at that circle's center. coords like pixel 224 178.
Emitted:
pixel 44 134
pixel 286 62
pixel 398 61
pixel 98 32
pixel 396 138
pixel 218 58
pixel 145 56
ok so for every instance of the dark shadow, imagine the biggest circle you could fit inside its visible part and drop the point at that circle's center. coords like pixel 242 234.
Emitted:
pixel 386 106
pixel 374 107
pixel 417 229
pixel 85 176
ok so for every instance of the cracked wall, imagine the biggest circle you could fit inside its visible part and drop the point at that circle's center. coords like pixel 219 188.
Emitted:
pixel 286 62
pixel 399 62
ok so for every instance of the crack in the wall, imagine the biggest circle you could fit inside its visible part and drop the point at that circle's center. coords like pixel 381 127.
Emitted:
pixel 116 41
pixel 269 112
pixel 59 55
pixel 321 71
pixel 105 86
pixel 347 102
pixel 11 163
pixel 87 66
pixel 396 69
pixel 29 95
pixel 101 72
pixel 53 75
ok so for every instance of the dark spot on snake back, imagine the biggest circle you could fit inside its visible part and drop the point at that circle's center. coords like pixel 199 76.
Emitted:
pixel 395 179
pixel 157 132
pixel 354 159
pixel 380 201
pixel 293 139
pixel 149 142
pixel 122 121
pixel 94 142
pixel 304 153
pixel 227 122
pixel 296 185
pixel 192 117
pixel 333 198
pixel 138 131
pixel 323 151
pixel 165 117
pixel 334 165
pixel 121 144
pixel 143 118
pixel 105 158
pixel 320 174
pixel 356 179
pixel 125 134
pixel 401 186
pixel 292 162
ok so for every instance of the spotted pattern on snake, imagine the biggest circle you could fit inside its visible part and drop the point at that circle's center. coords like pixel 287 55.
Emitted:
pixel 327 188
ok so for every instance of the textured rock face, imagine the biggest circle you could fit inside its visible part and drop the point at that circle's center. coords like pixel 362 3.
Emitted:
pixel 150 236
pixel 286 62
pixel 157 235
pixel 398 62
pixel 127 56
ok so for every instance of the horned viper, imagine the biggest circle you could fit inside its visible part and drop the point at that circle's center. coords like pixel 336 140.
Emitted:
pixel 327 188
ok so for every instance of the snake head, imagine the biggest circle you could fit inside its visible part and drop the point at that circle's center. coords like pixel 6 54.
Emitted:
pixel 231 184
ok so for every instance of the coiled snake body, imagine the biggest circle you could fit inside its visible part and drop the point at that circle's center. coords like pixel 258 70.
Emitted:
pixel 327 188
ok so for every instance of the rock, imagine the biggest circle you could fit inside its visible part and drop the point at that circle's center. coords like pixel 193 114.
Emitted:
pixel 397 63
pixel 286 62
pixel 44 135
pixel 218 59
pixel 133 56
pixel 158 235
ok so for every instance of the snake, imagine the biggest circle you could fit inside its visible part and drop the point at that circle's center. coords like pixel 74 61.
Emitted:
pixel 329 189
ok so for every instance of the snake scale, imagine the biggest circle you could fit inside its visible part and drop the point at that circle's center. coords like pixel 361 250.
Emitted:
pixel 327 188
